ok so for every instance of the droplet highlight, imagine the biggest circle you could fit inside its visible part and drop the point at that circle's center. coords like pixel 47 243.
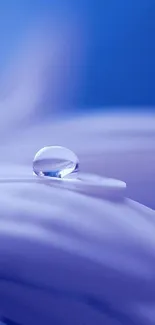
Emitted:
pixel 55 161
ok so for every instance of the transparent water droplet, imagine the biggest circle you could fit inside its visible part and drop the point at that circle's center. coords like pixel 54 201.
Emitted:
pixel 55 161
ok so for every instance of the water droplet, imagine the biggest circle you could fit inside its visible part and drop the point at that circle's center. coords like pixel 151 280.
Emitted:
pixel 55 161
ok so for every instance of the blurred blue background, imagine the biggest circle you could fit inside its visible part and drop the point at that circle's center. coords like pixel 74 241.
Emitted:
pixel 111 61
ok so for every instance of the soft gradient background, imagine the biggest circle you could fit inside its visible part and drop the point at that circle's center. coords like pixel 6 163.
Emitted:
pixel 101 51
pixel 78 74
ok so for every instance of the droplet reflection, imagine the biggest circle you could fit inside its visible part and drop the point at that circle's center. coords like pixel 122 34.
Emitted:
pixel 55 161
